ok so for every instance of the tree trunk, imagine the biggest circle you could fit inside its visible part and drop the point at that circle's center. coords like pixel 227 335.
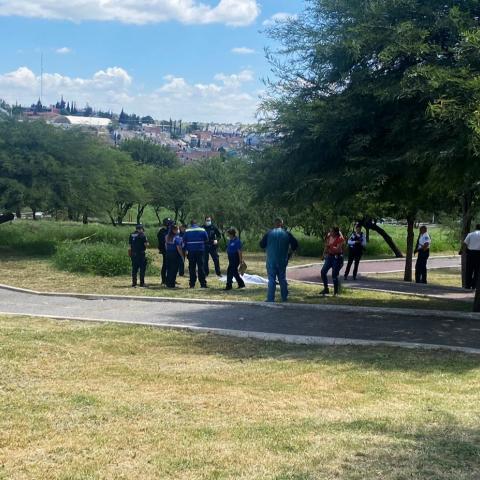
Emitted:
pixel 409 257
pixel 112 219
pixel 34 214
pixel 85 218
pixel 367 234
pixel 157 214
pixel 140 210
pixel 18 213
pixel 370 225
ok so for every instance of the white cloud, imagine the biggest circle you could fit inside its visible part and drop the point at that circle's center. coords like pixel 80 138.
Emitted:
pixel 243 51
pixel 227 98
pixel 63 51
pixel 279 18
pixel 229 12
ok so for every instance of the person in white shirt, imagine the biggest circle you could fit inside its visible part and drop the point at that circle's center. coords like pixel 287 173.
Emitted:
pixel 472 242
pixel 423 252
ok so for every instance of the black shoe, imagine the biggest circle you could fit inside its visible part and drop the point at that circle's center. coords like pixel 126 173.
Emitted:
pixel 134 286
pixel 325 291
pixel 241 286
pixel 228 288
pixel 203 286
pixel 346 277
pixel 143 285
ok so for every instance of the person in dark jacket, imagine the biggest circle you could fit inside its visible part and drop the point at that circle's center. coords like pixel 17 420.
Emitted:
pixel 235 258
pixel 211 249
pixel 279 245
pixel 356 245
pixel 174 253
pixel 161 235
pixel 138 245
pixel 194 241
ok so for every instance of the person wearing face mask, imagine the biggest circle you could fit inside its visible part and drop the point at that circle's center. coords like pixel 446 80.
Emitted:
pixel 211 249
pixel 174 254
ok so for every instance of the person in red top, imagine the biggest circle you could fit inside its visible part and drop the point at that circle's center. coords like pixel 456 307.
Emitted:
pixel 333 255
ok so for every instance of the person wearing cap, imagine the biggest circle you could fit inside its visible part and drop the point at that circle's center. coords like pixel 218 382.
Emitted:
pixel 423 252
pixel 356 245
pixel 472 244
pixel 333 255
pixel 211 249
pixel 138 245
pixel 162 233
pixel 194 241
pixel 279 244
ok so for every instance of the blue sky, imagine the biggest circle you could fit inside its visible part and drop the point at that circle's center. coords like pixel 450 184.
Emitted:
pixel 177 58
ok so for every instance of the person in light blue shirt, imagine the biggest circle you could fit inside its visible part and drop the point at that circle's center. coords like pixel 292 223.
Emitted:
pixel 279 244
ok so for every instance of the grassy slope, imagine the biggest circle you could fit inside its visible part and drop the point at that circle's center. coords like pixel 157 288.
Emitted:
pixel 110 402
pixel 39 274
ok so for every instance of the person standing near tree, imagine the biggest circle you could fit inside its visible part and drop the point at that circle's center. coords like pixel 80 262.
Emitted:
pixel 333 255
pixel 278 244
pixel 356 245
pixel 195 240
pixel 472 243
pixel 161 235
pixel 211 250
pixel 181 265
pixel 423 252
pixel 174 254
pixel 138 245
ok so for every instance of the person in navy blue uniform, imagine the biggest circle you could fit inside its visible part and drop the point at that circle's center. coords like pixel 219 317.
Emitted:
pixel 138 245
pixel 356 245
pixel 211 249
pixel 174 252
pixel 162 233
pixel 235 258
pixel 195 241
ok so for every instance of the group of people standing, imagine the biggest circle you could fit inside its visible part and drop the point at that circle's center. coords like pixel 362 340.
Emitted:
pixel 199 244
pixel 194 242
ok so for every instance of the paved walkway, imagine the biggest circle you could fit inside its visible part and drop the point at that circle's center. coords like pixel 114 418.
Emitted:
pixel 311 273
pixel 294 323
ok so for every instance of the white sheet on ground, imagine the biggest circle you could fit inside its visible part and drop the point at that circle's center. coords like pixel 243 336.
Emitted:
pixel 249 279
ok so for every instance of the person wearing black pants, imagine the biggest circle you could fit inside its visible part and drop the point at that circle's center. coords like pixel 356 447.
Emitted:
pixel 423 252
pixel 211 248
pixel 174 253
pixel 235 257
pixel 138 244
pixel 194 241
pixel 161 235
pixel 356 246
pixel 472 243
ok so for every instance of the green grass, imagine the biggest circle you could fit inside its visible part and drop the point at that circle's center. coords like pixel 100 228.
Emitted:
pixel 448 277
pixel 91 401
pixel 43 237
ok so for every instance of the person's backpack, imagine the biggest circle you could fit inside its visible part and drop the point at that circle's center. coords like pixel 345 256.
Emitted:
pixel 162 234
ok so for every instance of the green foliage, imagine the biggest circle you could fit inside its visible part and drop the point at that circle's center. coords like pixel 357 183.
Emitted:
pixel 98 259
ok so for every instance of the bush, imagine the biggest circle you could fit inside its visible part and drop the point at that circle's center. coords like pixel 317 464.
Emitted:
pixel 98 259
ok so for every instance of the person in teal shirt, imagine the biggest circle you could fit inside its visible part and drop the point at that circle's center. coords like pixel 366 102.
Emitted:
pixel 279 244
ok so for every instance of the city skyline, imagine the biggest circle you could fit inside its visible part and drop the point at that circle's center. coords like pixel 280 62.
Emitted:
pixel 199 62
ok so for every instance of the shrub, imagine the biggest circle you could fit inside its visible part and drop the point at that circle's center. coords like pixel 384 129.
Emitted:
pixel 97 258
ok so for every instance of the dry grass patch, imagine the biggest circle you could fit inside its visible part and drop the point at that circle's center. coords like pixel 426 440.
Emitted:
pixel 90 401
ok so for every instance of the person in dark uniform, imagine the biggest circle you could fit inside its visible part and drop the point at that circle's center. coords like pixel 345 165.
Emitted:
pixel 423 252
pixel 472 244
pixel 235 258
pixel 181 265
pixel 356 245
pixel 174 253
pixel 161 235
pixel 194 241
pixel 138 245
pixel 211 249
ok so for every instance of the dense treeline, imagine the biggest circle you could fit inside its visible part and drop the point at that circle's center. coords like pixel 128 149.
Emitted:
pixel 75 175
pixel 376 111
